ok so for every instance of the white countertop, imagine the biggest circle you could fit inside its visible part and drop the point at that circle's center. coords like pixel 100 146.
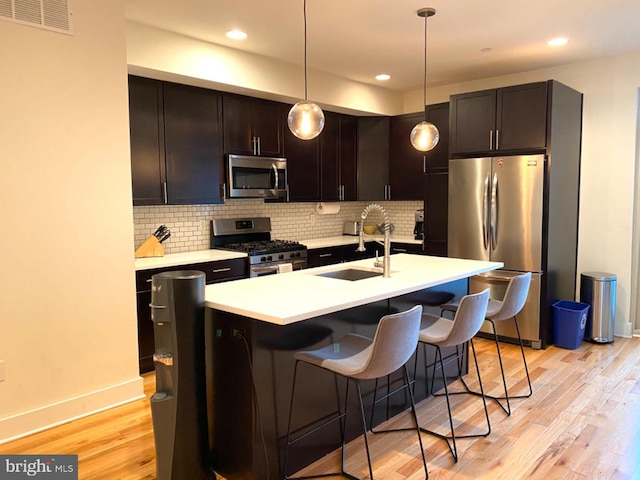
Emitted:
pixel 353 239
pixel 212 255
pixel 186 258
pixel 299 295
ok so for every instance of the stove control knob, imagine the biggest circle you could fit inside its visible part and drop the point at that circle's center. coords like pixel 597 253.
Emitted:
pixel 263 259
pixel 269 258
pixel 281 257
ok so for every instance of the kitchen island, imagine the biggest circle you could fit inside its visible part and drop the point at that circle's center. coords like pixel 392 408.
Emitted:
pixel 255 325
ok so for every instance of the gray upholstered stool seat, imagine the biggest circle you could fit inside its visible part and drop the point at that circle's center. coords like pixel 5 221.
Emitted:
pixel 442 332
pixel 499 311
pixel 356 358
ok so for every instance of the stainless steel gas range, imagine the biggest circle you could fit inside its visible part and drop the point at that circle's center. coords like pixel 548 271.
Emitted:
pixel 253 237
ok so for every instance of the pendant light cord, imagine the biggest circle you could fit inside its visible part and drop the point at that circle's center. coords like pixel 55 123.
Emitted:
pixel 425 67
pixel 305 48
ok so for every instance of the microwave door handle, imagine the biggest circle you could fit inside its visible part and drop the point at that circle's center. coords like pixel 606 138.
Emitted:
pixel 275 176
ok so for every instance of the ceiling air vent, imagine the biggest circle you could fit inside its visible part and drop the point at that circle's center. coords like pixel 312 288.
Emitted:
pixel 52 15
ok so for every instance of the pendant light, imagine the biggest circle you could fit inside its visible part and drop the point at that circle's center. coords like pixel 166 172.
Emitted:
pixel 425 135
pixel 305 118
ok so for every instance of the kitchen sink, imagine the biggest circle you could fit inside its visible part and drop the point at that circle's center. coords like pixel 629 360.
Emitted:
pixel 351 274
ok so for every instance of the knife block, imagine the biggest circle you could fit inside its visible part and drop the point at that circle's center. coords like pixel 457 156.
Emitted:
pixel 150 248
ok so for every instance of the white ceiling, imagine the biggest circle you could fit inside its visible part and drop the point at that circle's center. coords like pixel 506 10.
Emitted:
pixel 358 39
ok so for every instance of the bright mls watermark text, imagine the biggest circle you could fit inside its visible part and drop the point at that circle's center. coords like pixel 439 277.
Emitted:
pixel 39 467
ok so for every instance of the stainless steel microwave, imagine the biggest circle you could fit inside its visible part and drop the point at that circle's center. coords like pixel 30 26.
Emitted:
pixel 256 177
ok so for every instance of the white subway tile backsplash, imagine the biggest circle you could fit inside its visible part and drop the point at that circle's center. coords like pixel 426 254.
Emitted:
pixel 190 224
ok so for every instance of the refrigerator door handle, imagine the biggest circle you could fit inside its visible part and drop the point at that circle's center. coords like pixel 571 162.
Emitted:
pixel 485 212
pixel 494 212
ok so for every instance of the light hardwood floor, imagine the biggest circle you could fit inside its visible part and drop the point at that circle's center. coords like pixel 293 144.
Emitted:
pixel 582 422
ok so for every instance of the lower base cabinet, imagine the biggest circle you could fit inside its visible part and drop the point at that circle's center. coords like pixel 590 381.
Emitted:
pixel 215 272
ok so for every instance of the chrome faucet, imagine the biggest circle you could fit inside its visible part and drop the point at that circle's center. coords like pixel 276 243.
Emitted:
pixel 386 261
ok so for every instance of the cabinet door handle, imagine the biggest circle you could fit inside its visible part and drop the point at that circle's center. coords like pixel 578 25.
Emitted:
pixel 389 190
pixel 497 139
pixel 253 145
pixel 401 250
pixel 218 270
pixel 160 307
pixel 164 192
pixel 424 164
pixel 490 139
pixel 325 255
pixel 259 144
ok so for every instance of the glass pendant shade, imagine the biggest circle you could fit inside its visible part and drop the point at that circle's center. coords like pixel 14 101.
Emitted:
pixel 305 120
pixel 424 136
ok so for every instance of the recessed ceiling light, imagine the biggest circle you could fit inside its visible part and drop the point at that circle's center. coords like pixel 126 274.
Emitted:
pixel 236 35
pixel 558 42
pixel 486 49
pixel 383 76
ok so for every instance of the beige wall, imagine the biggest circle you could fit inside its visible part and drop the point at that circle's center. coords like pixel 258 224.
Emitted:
pixel 608 175
pixel 169 56
pixel 67 308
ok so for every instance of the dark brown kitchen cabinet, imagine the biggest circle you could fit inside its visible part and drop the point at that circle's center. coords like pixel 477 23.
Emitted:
pixel 146 131
pixel 406 164
pixel 303 166
pixel 499 120
pixel 373 158
pixel 436 188
pixel 435 185
pixel 338 157
pixel 401 247
pixel 252 126
pixel 176 154
pixel 324 168
pixel 389 168
pixel 319 257
pixel 215 272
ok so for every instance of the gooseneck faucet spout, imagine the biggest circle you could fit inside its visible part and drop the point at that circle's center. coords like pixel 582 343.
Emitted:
pixel 386 261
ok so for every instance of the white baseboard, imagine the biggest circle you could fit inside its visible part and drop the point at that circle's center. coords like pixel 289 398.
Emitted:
pixel 628 330
pixel 43 418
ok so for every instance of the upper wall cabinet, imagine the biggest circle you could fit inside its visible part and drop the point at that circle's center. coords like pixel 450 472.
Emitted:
pixel 499 120
pixel 176 154
pixel 323 168
pixel 252 126
pixel 406 164
pixel 338 157
pixel 303 167
pixel 373 158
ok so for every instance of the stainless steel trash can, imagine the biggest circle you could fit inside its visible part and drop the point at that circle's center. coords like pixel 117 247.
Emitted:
pixel 598 289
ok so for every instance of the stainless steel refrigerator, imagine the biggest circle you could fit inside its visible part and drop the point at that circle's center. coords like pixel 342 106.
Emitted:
pixel 496 212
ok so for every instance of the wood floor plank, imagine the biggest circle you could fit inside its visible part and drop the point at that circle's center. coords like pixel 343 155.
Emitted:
pixel 582 422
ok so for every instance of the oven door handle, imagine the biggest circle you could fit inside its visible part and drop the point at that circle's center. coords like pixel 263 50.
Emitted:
pixel 263 270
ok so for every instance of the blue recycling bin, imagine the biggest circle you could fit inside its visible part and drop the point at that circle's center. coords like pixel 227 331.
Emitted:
pixel 569 320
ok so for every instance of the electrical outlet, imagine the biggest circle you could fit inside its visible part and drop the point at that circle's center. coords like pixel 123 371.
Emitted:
pixel 1 370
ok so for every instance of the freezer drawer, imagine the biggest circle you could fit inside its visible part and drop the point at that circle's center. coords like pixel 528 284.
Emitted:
pixel 528 319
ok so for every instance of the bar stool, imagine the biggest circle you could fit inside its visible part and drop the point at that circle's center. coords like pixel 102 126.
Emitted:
pixel 442 332
pixel 500 311
pixel 357 358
